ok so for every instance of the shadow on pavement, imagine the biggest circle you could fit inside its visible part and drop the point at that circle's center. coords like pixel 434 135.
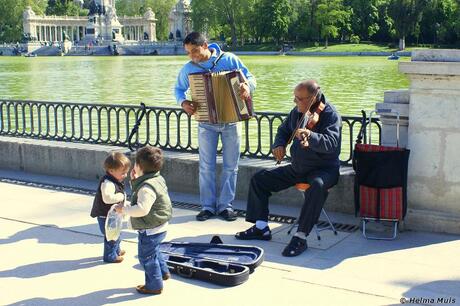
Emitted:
pixel 443 292
pixel 351 247
pixel 111 296
pixel 88 234
pixel 50 267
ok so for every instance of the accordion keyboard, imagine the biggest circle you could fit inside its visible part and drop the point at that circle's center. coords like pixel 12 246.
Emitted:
pixel 197 87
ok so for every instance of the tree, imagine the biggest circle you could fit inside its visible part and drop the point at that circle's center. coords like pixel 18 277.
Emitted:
pixel 64 7
pixel 299 28
pixel 331 17
pixel 405 14
pixel 203 15
pixel 365 15
pixel 438 22
pixel 215 16
pixel 272 19
pixel 11 17
pixel 280 19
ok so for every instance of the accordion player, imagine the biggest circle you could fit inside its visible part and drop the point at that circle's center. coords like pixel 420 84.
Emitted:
pixel 217 95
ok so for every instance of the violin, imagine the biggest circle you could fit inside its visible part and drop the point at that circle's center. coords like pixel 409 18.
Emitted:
pixel 309 119
pixel 313 115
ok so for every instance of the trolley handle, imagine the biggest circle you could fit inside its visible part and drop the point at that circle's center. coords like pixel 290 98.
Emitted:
pixel 385 111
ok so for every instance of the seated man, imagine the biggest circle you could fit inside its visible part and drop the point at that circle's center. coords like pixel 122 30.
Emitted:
pixel 314 160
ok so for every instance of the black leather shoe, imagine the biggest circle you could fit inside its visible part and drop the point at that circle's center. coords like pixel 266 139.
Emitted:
pixel 204 215
pixel 228 214
pixel 295 247
pixel 254 233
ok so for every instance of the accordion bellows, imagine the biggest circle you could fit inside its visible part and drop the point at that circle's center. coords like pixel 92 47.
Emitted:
pixel 217 96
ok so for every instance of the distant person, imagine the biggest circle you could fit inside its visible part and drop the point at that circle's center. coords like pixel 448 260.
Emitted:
pixel 314 160
pixel 210 58
pixel 111 191
pixel 150 211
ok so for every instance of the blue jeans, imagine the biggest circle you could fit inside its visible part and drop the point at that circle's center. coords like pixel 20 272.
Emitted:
pixel 152 260
pixel 111 248
pixel 208 137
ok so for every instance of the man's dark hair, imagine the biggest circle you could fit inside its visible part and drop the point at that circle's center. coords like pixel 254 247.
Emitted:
pixel 149 159
pixel 195 38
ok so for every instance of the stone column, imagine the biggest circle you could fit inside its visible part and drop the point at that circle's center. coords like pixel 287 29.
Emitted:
pixel 394 100
pixel 434 140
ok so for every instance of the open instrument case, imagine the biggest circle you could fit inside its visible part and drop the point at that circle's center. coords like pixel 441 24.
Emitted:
pixel 215 262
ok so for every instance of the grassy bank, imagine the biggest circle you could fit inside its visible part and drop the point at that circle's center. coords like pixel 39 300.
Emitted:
pixel 362 47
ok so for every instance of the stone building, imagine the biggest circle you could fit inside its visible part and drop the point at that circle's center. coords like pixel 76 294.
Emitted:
pixel 180 22
pixel 103 24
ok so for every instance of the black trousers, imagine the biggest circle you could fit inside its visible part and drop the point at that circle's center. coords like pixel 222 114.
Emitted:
pixel 264 182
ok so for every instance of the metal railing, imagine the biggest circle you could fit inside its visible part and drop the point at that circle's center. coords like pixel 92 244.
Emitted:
pixel 165 127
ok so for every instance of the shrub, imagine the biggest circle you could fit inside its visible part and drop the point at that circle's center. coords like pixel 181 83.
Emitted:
pixel 354 39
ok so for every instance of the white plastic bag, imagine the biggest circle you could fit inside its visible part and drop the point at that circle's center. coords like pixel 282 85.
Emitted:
pixel 113 224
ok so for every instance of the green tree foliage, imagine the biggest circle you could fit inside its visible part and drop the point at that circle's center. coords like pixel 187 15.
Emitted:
pixel 386 29
pixel 228 16
pixel 280 16
pixel 300 21
pixel 11 17
pixel 271 19
pixel 331 17
pixel 419 21
pixel 364 18
pixel 406 15
pixel 438 23
pixel 65 7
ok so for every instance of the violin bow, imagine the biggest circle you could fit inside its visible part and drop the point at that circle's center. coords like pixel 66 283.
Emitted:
pixel 135 128
pixel 302 119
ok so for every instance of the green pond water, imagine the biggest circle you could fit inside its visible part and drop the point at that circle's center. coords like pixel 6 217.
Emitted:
pixel 350 83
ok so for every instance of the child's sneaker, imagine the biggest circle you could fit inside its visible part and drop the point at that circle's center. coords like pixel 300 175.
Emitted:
pixel 118 259
pixel 141 289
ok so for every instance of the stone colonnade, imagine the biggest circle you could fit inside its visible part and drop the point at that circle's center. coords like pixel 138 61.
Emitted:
pixel 51 28
pixel 55 33
pixel 133 32
pixel 134 28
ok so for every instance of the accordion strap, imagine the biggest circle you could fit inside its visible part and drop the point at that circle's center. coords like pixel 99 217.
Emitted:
pixel 214 63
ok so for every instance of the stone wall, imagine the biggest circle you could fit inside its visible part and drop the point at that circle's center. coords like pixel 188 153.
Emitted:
pixel 84 161
pixel 434 139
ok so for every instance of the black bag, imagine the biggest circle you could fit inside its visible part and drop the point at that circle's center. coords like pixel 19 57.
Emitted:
pixel 222 264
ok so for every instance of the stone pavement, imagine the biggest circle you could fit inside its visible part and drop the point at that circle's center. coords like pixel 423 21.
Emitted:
pixel 51 255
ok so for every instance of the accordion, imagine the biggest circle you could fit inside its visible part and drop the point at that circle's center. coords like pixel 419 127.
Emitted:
pixel 217 96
